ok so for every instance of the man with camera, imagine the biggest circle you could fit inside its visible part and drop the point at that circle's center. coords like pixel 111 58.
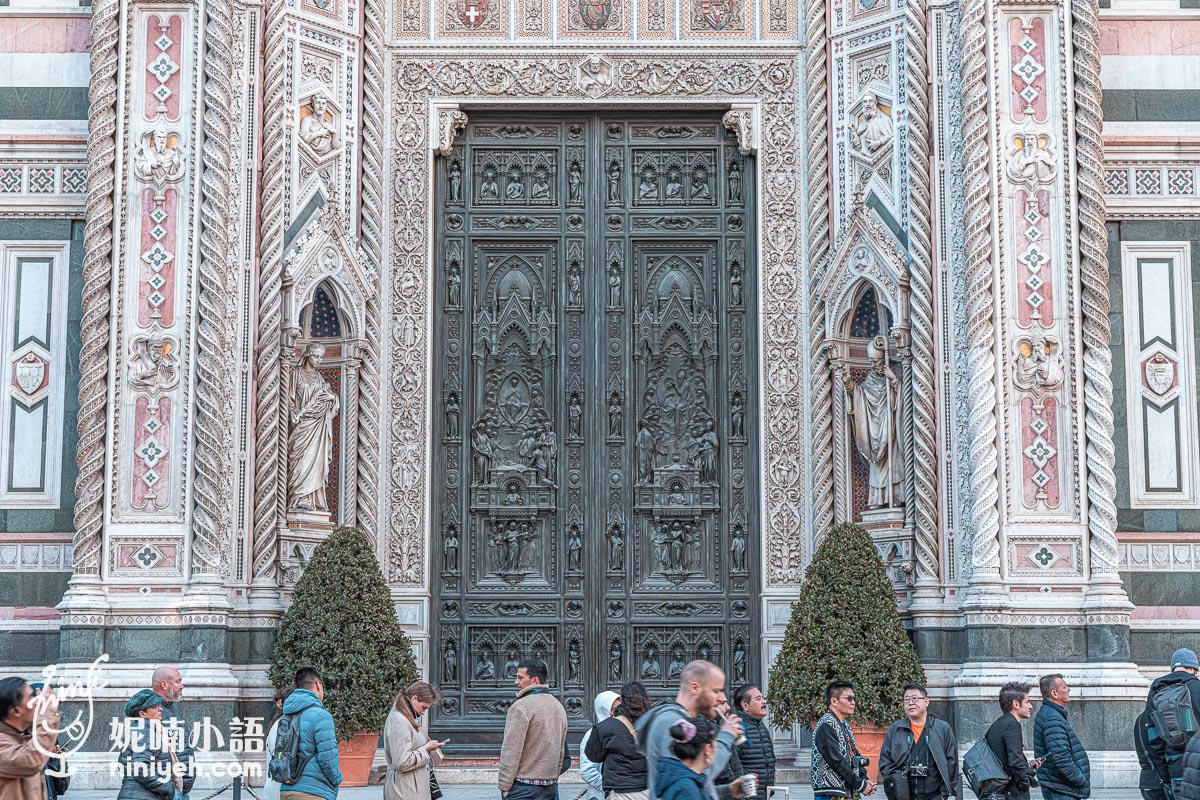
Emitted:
pixel 919 758
pixel 838 769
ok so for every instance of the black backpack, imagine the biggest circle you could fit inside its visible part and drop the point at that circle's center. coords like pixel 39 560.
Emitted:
pixel 1172 715
pixel 983 770
pixel 286 765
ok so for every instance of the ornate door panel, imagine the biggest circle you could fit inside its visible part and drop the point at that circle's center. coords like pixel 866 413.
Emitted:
pixel 595 364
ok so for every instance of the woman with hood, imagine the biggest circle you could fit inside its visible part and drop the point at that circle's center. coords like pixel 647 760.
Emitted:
pixel 613 744
pixel 410 753
pixel 591 771
pixel 694 746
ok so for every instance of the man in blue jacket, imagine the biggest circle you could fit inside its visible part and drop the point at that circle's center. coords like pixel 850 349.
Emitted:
pixel 1065 773
pixel 318 741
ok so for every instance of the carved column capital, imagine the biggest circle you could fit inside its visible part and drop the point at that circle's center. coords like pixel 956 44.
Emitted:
pixel 449 121
pixel 742 119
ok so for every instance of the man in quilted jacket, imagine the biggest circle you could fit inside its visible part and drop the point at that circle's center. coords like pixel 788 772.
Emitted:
pixel 321 777
pixel 1065 773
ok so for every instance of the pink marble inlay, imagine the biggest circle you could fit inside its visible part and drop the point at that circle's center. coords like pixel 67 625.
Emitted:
pixel 1035 270
pixel 1029 64
pixel 1039 458
pixel 171 61
pixel 156 288
pixel 151 457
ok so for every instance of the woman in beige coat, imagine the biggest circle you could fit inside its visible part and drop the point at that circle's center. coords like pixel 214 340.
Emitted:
pixel 410 753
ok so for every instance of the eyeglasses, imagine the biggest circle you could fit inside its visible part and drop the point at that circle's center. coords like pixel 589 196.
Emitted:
pixel 912 700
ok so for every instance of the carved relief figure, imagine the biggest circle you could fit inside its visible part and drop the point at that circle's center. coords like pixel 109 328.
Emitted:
pixel 454 284
pixel 511 662
pixel 736 278
pixel 614 414
pixel 573 659
pixel 485 670
pixel 674 183
pixel 316 128
pixel 541 184
pixel 575 415
pixel 739 661
pixel 737 549
pixel 451 549
pixel 735 180
pixel 595 75
pixel 160 161
pixel 873 411
pixel 450 663
pixel 614 182
pixel 874 130
pixel 516 184
pixel 614 285
pixel 645 451
pixel 1037 364
pixel 455 179
pixel 651 671
pixel 737 415
pixel 488 189
pixel 574 549
pixel 153 365
pixel 314 405
pixel 614 661
pixel 616 548
pixel 648 187
pixel 1031 162
pixel 675 668
pixel 452 415
pixel 700 188
pixel 483 451
pixel 706 453
pixel 574 183
pixel 574 284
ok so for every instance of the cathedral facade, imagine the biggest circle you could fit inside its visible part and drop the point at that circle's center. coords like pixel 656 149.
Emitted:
pixel 596 316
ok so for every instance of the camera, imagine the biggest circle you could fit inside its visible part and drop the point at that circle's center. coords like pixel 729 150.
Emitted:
pixel 918 770
pixel 860 764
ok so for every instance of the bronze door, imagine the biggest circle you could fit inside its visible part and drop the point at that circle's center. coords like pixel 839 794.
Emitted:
pixel 594 444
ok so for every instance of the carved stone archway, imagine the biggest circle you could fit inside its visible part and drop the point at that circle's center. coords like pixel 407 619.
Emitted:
pixel 426 90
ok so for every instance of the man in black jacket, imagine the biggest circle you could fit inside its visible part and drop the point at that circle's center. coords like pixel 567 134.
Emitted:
pixel 1065 772
pixel 1184 669
pixel 758 751
pixel 834 751
pixel 1004 737
pixel 919 757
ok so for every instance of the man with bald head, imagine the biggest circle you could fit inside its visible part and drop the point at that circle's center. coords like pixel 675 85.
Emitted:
pixel 167 683
pixel 700 685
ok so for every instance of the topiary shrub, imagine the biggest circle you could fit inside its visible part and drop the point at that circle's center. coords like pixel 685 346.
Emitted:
pixel 342 622
pixel 844 627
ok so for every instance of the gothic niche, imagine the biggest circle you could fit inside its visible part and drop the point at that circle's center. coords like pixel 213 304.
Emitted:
pixel 513 440
pixel 676 446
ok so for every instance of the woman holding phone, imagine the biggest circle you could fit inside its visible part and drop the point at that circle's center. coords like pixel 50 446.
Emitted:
pixel 410 753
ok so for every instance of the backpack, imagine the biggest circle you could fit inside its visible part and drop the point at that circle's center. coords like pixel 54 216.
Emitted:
pixel 983 770
pixel 286 765
pixel 1171 713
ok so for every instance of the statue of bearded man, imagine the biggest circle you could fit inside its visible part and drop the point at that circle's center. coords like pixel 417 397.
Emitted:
pixel 873 404
pixel 314 406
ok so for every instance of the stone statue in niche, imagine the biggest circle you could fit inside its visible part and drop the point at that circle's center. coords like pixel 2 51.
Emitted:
pixel 575 415
pixel 735 180
pixel 455 180
pixel 160 161
pixel 574 549
pixel 574 183
pixel 614 661
pixel 737 549
pixel 874 129
pixel 616 548
pixel 645 452
pixel 675 668
pixel 1037 364
pixel 873 406
pixel 485 670
pixel 488 189
pixel 450 551
pixel 450 663
pixel 314 406
pixel 650 668
pixel 316 127
pixel 454 284
pixel 541 184
pixel 614 415
pixel 511 662
pixel 737 415
pixel 153 366
pixel 739 661
pixel 648 187
pixel 614 182
pixel 700 189
pixel 705 453
pixel 516 184
pixel 674 183
pixel 453 409
pixel 736 279
pixel 1031 162
pixel 483 451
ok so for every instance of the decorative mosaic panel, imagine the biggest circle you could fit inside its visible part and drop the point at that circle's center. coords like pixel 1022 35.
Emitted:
pixel 593 18
pixel 711 19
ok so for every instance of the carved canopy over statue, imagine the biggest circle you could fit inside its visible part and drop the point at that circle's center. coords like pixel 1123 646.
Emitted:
pixel 314 406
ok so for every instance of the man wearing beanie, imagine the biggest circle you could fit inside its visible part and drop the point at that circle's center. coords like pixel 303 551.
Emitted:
pixel 1173 709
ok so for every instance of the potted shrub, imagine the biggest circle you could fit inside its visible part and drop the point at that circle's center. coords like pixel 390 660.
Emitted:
pixel 342 622
pixel 845 627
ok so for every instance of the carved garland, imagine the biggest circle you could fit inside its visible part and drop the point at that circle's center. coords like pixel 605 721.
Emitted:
pixel 416 79
pixel 97 278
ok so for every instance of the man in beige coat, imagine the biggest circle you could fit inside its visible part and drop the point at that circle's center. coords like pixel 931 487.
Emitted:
pixel 535 738
pixel 24 752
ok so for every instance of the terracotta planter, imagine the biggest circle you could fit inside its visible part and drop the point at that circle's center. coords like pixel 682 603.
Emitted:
pixel 869 739
pixel 355 757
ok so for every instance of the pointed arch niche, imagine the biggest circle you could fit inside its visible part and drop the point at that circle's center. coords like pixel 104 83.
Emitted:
pixel 866 297
pixel 326 286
